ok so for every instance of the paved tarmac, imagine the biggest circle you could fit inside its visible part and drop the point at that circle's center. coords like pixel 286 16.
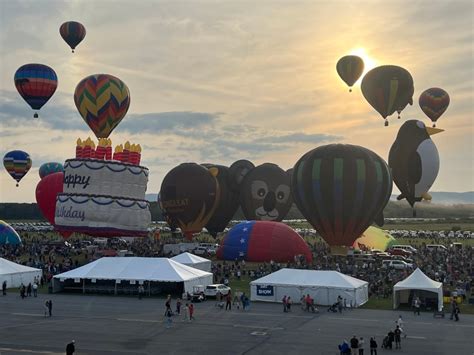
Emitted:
pixel 121 325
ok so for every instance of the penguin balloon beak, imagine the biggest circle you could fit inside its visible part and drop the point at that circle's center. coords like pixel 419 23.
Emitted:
pixel 432 130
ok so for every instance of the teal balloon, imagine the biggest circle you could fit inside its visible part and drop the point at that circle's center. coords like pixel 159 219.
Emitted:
pixel 8 235
pixel 50 168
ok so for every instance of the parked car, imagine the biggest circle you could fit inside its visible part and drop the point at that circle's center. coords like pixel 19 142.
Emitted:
pixel 436 247
pixel 396 264
pixel 406 247
pixel 204 251
pixel 211 290
pixel 397 251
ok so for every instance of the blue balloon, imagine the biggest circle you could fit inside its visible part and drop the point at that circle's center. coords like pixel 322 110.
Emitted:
pixel 50 168
pixel 8 235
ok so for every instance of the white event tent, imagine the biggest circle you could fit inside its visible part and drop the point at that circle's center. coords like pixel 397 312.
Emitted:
pixel 194 261
pixel 420 282
pixel 124 274
pixel 15 274
pixel 323 286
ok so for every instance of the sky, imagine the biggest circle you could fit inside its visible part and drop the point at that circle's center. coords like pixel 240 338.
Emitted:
pixel 218 81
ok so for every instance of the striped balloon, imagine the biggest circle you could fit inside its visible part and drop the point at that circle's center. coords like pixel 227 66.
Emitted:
pixel 17 163
pixel 387 89
pixel 73 33
pixel 102 100
pixel 341 189
pixel 434 102
pixel 36 83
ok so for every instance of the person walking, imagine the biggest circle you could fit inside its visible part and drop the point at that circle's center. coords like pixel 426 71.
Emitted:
pixel 169 318
pixel 4 288
pixel 417 306
pixel 186 312
pixel 35 289
pixel 361 346
pixel 28 290
pixel 453 307
pixel 22 291
pixel 168 305
pixel 228 303
pixel 46 308
pixel 288 303
pixel 399 322
pixel 70 348
pixel 398 337
pixel 284 304
pixel 456 313
pixel 50 308
pixel 373 346
pixel 354 345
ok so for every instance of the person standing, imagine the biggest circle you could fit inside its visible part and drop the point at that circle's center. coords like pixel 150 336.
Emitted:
pixel 453 307
pixel 141 291
pixel 178 306
pixel 361 346
pixel 398 334
pixel 169 319
pixel 191 312
pixel 289 302
pixel 456 313
pixel 218 298
pixel 284 304
pixel 373 346
pixel 168 305
pixel 399 322
pixel 50 308
pixel 391 338
pixel 22 291
pixel 46 308
pixel 70 348
pixel 28 290
pixel 35 289
pixel 228 303
pixel 417 306
pixel 354 345
pixel 186 312
pixel 4 288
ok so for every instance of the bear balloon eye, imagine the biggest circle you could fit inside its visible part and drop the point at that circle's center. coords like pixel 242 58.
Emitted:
pixel 259 189
pixel 281 195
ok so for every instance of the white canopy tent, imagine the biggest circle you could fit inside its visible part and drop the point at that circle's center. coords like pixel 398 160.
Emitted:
pixel 194 261
pixel 323 286
pixel 15 274
pixel 135 270
pixel 416 281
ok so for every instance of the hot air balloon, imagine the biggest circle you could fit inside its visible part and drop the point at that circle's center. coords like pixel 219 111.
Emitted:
pixel 350 68
pixel 36 83
pixel 265 193
pixel 263 241
pixel 8 235
pixel 387 89
pixel 73 33
pixel 228 200
pixel 374 238
pixel 414 161
pixel 189 195
pixel 17 163
pixel 50 168
pixel 341 189
pixel 47 191
pixel 434 102
pixel 102 100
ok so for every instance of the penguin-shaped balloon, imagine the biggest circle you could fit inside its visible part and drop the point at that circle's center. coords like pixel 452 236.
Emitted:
pixel 414 161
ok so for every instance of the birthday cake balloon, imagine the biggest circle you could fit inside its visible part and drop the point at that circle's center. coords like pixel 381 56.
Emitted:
pixel 104 195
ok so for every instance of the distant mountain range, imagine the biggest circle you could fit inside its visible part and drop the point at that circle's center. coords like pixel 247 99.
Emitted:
pixel 441 197
pixel 450 198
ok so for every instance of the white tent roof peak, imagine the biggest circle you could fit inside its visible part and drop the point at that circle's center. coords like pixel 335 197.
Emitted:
pixel 9 267
pixel 188 258
pixel 134 268
pixel 298 277
pixel 418 280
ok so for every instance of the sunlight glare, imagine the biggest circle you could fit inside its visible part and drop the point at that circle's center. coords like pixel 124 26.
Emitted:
pixel 369 63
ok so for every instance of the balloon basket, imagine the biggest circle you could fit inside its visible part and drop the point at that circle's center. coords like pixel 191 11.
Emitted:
pixel 434 125
pixel 17 184
pixel 339 250
pixel 35 115
pixel 386 123
pixel 350 90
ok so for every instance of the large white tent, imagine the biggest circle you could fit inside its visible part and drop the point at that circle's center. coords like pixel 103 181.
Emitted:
pixel 194 261
pixel 417 281
pixel 126 271
pixel 323 286
pixel 15 274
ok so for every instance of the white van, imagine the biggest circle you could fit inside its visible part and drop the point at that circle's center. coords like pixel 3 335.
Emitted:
pixel 405 247
pixel 437 247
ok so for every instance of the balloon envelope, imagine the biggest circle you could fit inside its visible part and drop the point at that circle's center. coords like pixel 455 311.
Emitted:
pixel 73 33
pixel 388 88
pixel 265 193
pixel 374 238
pixel 17 163
pixel 47 190
pixel 434 102
pixel 228 202
pixel 8 235
pixel 50 168
pixel 340 189
pixel 103 101
pixel 36 83
pixel 263 241
pixel 189 195
pixel 350 68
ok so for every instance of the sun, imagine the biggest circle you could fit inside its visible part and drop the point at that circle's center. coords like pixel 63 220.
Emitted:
pixel 369 63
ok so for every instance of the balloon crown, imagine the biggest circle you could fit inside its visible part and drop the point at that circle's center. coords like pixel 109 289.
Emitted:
pixel 125 153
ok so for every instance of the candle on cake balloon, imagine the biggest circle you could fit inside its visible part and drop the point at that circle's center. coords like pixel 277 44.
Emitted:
pixel 133 154
pixel 100 151
pixel 86 151
pixel 92 149
pixel 126 152
pixel 79 148
pixel 108 149
pixel 139 151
